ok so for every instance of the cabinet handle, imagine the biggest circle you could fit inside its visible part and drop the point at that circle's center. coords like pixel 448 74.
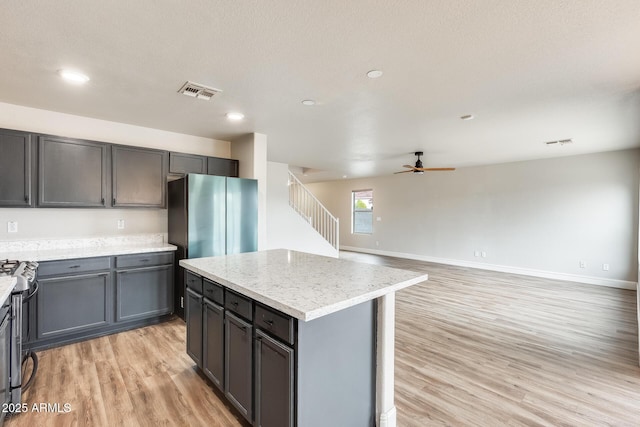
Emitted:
pixel 269 322
pixel 144 260
pixel 102 201
pixel 234 303
pixel 26 198
pixel 74 266
pixel 114 200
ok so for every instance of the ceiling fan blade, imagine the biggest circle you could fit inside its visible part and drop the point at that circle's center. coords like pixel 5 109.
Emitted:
pixel 436 169
pixel 408 166
pixel 402 172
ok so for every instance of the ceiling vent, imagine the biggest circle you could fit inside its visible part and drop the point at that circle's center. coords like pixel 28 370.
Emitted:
pixel 196 90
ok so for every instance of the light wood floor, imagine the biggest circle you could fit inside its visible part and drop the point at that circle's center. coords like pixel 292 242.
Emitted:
pixel 473 348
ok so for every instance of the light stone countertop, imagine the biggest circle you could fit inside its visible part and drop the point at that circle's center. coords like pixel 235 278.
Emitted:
pixel 302 285
pixel 54 250
pixel 6 286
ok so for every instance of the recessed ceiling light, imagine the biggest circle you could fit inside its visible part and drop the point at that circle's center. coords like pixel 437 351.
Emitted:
pixel 467 117
pixel 308 102
pixel 344 176
pixel 73 76
pixel 235 116
pixel 374 74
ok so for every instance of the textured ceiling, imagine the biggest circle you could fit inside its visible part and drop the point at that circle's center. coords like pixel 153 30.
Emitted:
pixel 529 71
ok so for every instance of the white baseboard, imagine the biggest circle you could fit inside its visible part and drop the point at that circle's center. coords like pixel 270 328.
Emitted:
pixel 591 280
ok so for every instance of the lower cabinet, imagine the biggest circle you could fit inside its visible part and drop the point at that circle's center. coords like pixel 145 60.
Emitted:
pixel 193 315
pixel 238 379
pixel 213 343
pixel 144 292
pixel 89 297
pixel 274 382
pixel 68 304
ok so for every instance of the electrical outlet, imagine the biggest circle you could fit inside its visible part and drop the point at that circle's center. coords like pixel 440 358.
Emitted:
pixel 378 218
pixel 484 254
pixel 476 253
pixel 605 267
pixel 583 264
pixel 12 227
pixel 377 243
pixel 121 224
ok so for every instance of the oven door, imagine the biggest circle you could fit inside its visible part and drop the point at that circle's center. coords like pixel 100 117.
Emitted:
pixel 5 339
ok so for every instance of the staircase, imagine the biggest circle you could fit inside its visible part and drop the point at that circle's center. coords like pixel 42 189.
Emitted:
pixel 310 208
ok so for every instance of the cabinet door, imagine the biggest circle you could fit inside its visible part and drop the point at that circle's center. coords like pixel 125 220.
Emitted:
pixel 180 163
pixel 72 173
pixel 193 314
pixel 73 303
pixel 139 177
pixel 213 343
pixel 274 383
pixel 222 167
pixel 238 380
pixel 144 292
pixel 15 169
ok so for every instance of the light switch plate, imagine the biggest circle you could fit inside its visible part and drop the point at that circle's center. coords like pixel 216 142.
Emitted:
pixel 12 227
pixel 121 224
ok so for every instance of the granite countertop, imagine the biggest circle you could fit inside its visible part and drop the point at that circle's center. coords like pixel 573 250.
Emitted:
pixel 302 285
pixel 53 250
pixel 6 286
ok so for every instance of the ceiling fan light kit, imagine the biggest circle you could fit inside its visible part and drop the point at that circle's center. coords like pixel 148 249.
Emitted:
pixel 418 169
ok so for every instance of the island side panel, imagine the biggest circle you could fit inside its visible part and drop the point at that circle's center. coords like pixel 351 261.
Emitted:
pixel 336 368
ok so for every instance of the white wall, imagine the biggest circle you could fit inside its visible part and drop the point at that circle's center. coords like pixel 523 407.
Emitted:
pixel 534 217
pixel 286 229
pixel 70 223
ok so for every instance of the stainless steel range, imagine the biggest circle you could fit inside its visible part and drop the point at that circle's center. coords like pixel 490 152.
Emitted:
pixel 26 287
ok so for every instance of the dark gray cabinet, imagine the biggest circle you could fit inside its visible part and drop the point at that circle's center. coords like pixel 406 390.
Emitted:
pixel 274 382
pixel 89 297
pixel 182 164
pixel 213 343
pixel 144 292
pixel 72 173
pixel 139 177
pixel 15 169
pixel 68 304
pixel 222 167
pixel 193 317
pixel 238 363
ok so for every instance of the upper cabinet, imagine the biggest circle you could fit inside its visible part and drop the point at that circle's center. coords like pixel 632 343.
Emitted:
pixel 222 167
pixel 72 173
pixel 139 177
pixel 183 164
pixel 15 169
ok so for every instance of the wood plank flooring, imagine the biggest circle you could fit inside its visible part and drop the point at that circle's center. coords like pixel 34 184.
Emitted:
pixel 473 348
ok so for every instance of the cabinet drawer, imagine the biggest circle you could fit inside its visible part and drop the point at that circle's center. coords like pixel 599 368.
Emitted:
pixel 238 304
pixel 54 268
pixel 193 281
pixel 144 260
pixel 277 324
pixel 213 291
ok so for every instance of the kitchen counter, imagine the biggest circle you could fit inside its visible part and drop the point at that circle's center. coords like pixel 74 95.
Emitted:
pixel 6 286
pixel 343 338
pixel 302 285
pixel 54 250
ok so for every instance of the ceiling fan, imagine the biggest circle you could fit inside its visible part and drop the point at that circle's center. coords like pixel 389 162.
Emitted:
pixel 418 169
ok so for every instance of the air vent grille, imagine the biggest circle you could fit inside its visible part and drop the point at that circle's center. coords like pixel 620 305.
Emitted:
pixel 196 90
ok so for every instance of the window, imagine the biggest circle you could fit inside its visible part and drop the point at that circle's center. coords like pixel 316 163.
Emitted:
pixel 362 203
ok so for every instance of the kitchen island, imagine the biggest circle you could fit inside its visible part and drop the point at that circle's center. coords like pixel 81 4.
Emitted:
pixel 296 339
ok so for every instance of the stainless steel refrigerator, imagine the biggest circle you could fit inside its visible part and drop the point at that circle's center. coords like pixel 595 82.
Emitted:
pixel 209 216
